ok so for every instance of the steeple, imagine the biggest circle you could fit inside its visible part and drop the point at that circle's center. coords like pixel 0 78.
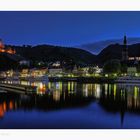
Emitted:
pixel 125 50
pixel 125 40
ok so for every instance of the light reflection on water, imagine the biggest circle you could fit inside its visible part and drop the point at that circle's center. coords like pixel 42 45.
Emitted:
pixel 89 89
pixel 120 98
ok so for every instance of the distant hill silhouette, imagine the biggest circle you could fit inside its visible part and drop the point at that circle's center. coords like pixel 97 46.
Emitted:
pixel 97 47
pixel 114 51
pixel 51 53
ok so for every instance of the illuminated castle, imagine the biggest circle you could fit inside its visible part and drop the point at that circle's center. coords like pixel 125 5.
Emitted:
pixel 6 50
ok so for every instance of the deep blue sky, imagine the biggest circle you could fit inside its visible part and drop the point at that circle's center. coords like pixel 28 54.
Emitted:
pixel 66 28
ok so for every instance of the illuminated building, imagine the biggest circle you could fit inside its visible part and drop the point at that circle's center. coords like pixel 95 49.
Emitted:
pixel 75 70
pixel 131 70
pixel 55 68
pixel 34 72
pixel 25 62
pixel 56 64
pixel 6 50
pixel 25 73
pixel 134 58
pixel 38 72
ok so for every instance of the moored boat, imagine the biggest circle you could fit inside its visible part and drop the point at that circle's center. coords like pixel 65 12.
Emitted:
pixel 128 79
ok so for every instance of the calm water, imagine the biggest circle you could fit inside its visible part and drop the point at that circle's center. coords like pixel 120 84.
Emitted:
pixel 72 105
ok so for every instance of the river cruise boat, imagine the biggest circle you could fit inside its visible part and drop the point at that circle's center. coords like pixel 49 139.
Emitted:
pixel 128 79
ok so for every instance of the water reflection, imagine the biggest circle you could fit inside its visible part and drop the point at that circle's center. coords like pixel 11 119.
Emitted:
pixel 117 93
pixel 112 94
pixel 7 104
pixel 52 96
pixel 112 98
pixel 120 98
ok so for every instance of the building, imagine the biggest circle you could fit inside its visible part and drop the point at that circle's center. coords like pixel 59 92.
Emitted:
pixel 134 58
pixel 24 73
pixel 34 72
pixel 132 70
pixel 24 62
pixel 55 68
pixel 38 72
pixel 53 71
pixel 75 70
pixel 6 50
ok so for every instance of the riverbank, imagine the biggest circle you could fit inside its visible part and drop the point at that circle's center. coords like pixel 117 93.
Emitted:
pixel 79 79
pixel 83 79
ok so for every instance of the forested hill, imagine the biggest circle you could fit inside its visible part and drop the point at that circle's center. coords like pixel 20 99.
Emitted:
pixel 114 51
pixel 48 53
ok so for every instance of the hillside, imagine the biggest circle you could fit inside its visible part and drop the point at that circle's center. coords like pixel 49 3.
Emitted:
pixel 49 53
pixel 9 61
pixel 114 51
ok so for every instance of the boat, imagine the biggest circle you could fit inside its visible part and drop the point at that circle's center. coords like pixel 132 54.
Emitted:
pixel 14 77
pixel 128 79
pixel 14 80
pixel 3 91
pixel 31 79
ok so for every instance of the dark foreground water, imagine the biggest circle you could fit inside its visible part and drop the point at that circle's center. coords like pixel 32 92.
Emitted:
pixel 73 105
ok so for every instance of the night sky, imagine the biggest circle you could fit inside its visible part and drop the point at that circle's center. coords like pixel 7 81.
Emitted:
pixel 66 28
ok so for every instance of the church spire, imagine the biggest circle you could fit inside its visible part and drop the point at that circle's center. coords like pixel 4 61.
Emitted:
pixel 124 50
pixel 125 40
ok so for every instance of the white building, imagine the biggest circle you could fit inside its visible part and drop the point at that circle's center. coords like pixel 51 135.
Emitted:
pixel 24 62
pixel 55 71
pixel 131 70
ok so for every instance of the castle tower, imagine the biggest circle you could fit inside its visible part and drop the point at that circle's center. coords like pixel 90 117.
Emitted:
pixel 125 50
pixel 1 46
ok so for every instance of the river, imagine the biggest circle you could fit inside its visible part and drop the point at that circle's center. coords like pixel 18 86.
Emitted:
pixel 71 105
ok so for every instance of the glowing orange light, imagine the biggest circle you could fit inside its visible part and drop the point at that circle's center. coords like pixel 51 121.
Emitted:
pixel 4 106
pixel 42 88
pixel 1 111
pixel 3 49
pixel 11 106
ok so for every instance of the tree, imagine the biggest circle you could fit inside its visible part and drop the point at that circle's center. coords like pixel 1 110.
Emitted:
pixel 124 68
pixel 91 70
pixel 112 66
pixel 138 68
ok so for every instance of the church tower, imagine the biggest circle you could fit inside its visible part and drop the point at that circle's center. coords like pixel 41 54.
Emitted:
pixel 125 50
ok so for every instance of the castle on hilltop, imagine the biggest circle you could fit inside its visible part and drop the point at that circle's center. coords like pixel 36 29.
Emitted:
pixel 6 50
